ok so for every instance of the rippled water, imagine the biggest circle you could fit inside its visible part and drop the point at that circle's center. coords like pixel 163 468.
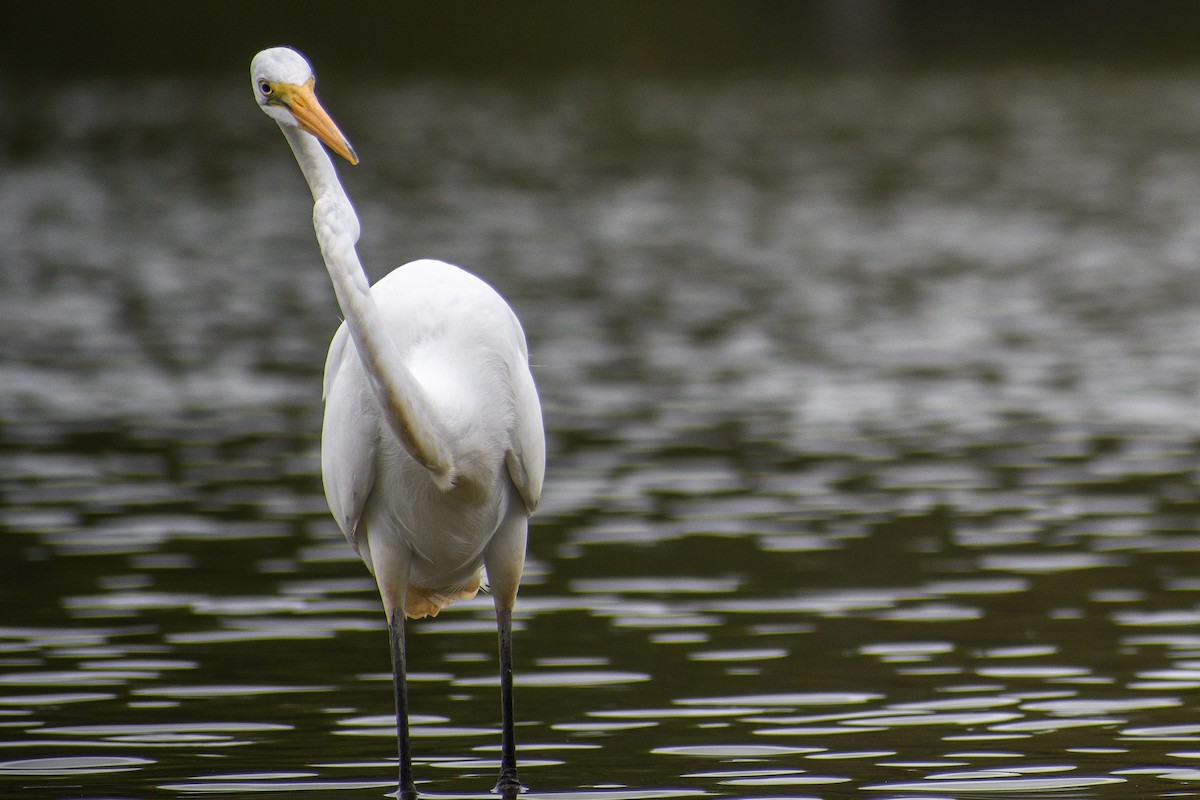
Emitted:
pixel 872 431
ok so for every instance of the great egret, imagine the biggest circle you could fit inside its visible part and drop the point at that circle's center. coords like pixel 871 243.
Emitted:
pixel 432 450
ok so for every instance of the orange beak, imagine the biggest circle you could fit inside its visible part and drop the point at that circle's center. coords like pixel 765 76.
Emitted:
pixel 303 103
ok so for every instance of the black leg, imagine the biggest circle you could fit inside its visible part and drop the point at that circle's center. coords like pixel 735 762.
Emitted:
pixel 406 789
pixel 508 786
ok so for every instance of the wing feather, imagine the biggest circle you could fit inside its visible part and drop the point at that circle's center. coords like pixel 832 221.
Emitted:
pixel 350 439
pixel 526 456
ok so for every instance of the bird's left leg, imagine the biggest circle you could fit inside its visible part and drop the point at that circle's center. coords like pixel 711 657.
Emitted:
pixel 508 784
pixel 505 560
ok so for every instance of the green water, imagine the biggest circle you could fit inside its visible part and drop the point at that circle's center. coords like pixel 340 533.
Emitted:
pixel 871 426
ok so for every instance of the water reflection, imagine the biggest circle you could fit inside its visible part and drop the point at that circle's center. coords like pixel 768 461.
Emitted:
pixel 873 440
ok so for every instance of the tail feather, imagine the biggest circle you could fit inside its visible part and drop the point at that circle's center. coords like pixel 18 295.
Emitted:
pixel 422 602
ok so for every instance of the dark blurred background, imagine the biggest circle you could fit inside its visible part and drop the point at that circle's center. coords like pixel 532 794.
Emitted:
pixel 546 36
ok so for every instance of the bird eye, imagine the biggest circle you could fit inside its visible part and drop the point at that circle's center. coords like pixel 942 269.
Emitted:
pixel 265 88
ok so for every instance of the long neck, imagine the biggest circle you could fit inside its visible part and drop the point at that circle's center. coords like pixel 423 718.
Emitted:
pixel 400 396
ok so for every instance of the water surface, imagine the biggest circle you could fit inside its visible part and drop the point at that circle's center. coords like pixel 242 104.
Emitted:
pixel 871 423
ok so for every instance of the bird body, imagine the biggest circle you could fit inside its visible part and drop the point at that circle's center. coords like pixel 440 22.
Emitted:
pixel 466 349
pixel 432 448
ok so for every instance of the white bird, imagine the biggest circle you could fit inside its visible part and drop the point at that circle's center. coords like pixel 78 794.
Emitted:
pixel 432 451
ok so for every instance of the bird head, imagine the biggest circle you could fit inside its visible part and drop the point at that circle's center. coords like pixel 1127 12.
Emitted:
pixel 284 84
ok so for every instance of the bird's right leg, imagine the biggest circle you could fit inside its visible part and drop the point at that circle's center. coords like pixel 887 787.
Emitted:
pixel 406 789
pixel 391 563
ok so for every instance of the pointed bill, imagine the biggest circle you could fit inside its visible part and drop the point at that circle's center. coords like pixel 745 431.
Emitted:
pixel 305 107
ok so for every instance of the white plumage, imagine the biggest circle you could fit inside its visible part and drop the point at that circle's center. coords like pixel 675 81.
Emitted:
pixel 432 450
pixel 466 350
